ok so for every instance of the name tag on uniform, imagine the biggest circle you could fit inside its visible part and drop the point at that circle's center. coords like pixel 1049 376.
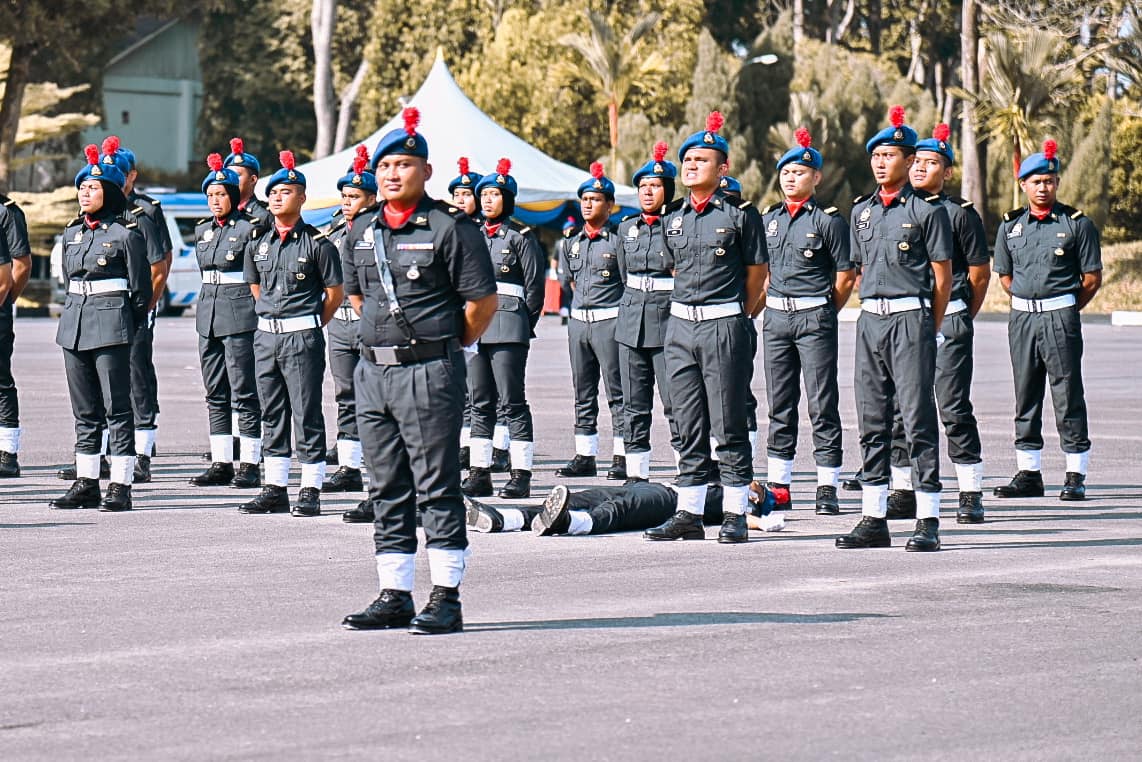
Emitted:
pixel 1016 231
pixel 865 218
pixel 107 245
pixel 771 230
pixel 674 231
pixel 363 244
pixel 721 230
pixel 810 235
pixel 905 224
pixel 1060 235
pixel 416 246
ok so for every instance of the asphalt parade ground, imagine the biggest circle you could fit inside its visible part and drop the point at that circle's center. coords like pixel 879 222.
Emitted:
pixel 183 630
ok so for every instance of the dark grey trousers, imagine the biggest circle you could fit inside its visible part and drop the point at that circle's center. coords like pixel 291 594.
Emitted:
pixel 640 368
pixel 9 400
pixel 409 420
pixel 144 380
pixel 99 384
pixel 496 391
pixel 710 366
pixel 896 365
pixel 595 354
pixel 1048 346
pixel 344 353
pixel 231 383
pixel 290 369
pixel 637 506
pixel 803 345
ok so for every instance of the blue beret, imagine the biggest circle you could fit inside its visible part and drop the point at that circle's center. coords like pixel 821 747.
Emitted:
pixel 224 176
pixel 707 138
pixel 103 168
pixel 896 134
pixel 1043 163
pixel 288 174
pixel 125 158
pixel 500 179
pixel 239 158
pixel 657 166
pixel 729 185
pixel 938 143
pixel 598 183
pixel 405 141
pixel 466 178
pixel 359 176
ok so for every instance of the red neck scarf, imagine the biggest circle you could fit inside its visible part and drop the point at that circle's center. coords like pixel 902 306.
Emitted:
pixel 491 229
pixel 283 230
pixel 90 222
pixel 700 206
pixel 396 217
pixel 650 219
pixel 220 221
pixel 590 232
pixel 793 205
pixel 887 197
pixel 1040 216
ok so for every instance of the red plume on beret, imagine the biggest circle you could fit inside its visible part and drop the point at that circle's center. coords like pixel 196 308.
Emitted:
pixel 1050 148
pixel 896 116
pixel 597 170
pixel 110 145
pixel 214 161
pixel 286 159
pixel 237 145
pixel 361 160
pixel 463 165
pixel 92 153
pixel 803 138
pixel 504 166
pixel 660 149
pixel 942 132
pixel 715 121
pixel 411 116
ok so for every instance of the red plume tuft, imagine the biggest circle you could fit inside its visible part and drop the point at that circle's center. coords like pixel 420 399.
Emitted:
pixel 110 145
pixel 237 145
pixel 361 160
pixel 803 138
pixel 942 132
pixel 1050 148
pixel 214 161
pixel 463 165
pixel 286 159
pixel 597 170
pixel 660 149
pixel 896 116
pixel 92 153
pixel 571 220
pixel 411 116
pixel 715 121
pixel 504 166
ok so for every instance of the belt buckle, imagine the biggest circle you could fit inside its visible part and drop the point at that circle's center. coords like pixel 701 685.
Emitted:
pixel 789 303
pixel 275 325
pixel 647 283
pixel 694 313
pixel 1036 305
pixel 883 307
pixel 85 288
pixel 385 356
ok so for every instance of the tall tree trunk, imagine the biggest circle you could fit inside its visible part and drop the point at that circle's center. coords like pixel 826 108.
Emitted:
pixel 798 23
pixel 973 185
pixel 322 20
pixel 613 123
pixel 874 22
pixel 10 105
pixel 843 27
pixel 348 105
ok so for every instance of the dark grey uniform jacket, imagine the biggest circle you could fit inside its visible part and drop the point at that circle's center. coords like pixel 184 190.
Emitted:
pixel 516 259
pixel 1047 258
pixel 807 251
pixel 643 314
pixel 226 308
pixel 895 246
pixel 593 266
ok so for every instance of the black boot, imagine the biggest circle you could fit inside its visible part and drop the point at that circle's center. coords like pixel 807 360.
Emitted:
pixel 852 484
pixel 501 461
pixel 249 476
pixel 634 480
pixel 554 518
pixel 826 500
pixel 217 475
pixel 308 502
pixel 83 493
pixel 1023 484
pixel 9 465
pixel 344 479
pixel 734 528
pixel 618 470
pixel 970 510
pixel 871 532
pixel 580 465
pixel 681 526
pixel 362 514
pixel 142 469
pixel 782 500
pixel 518 486
pixel 478 483
pixel 1074 488
pixel 272 499
pixel 441 615
pixel 926 537
pixel 331 457
pixel 901 504
pixel 465 458
pixel 118 498
pixel 67 473
pixel 393 608
pixel 482 518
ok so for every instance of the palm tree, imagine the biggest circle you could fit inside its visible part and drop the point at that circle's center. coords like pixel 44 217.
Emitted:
pixel 616 65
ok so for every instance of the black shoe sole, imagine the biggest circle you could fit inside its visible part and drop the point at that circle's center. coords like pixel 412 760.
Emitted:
pixel 513 495
pixel 1072 499
pixel 662 538
pixel 911 548
pixel 116 509
pixel 732 540
pixel 327 488
pixel 414 629
pixel 828 510
pixel 305 513
pixel 961 519
pixel 79 507
pixel 566 475
pixel 244 485
pixel 1012 496
pixel 345 517
pixel 554 505
pixel 262 512
pixel 362 627
pixel 863 546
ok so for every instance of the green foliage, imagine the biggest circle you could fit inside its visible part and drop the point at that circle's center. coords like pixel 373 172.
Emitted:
pixel 1084 181
pixel 1124 221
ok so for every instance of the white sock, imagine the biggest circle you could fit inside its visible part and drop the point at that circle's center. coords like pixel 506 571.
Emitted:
pixel 87 466
pixel 500 436
pixel 513 519
pixel 753 444
pixel 638 465
pixel 581 522
pixel 1077 462
pixel 901 477
pixel 874 501
pixel 395 571
pixel 312 474
pixel 692 499
pixel 714 450
pixel 969 476
pixel 1029 460
pixel 221 448
pixel 828 476
pixel 734 500
pixel 465 435
pixel 277 471
pixel 480 453
pixel 618 446
pixel 145 441
pixel 522 454
pixel 446 565
pixel 927 505
pixel 773 521
pixel 10 440
pixel 122 468
pixel 587 445
pixel 106 442
pixel 677 458
pixel 779 471
pixel 249 449
pixel 349 453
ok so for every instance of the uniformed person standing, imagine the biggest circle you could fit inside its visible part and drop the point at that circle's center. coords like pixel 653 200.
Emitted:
pixel 971 270
pixel 108 293
pixel 810 279
pixel 15 267
pixel 248 168
pixel 462 188
pixel 425 289
pixel 719 276
pixel 589 265
pixel 295 275
pixel 647 267
pixel 1049 260
pixel 496 372
pixel 902 241
pixel 225 321
pixel 358 191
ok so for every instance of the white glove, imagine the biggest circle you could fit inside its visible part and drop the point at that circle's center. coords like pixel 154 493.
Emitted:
pixel 939 339
pixel 472 348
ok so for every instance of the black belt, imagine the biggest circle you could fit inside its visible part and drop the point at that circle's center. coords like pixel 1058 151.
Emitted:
pixel 411 353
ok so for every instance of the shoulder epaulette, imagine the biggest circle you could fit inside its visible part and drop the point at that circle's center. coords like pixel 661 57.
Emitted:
pixel 6 201
pixel 75 221
pixel 933 198
pixel 832 211
pixel 253 217
pixel 771 208
pixel 745 205
pixel 154 201
pixel 958 201
pixel 630 217
pixel 317 234
pixel 673 206
pixel 130 225
pixel 1071 212
pixel 137 210
pixel 1011 215
pixel 861 199
pixel 455 211
pixel 519 227
pixel 570 231
pixel 203 221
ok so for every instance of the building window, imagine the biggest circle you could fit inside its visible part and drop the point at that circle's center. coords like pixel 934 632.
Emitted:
pixel 125 117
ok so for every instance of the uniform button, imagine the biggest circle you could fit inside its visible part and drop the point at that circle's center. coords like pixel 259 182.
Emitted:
pixel 903 246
